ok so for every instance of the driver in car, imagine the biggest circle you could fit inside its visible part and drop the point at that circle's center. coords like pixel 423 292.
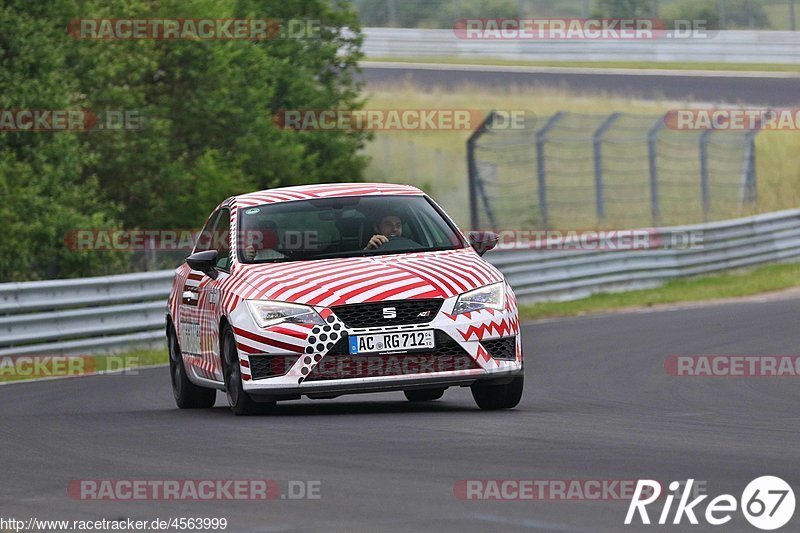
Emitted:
pixel 262 241
pixel 389 227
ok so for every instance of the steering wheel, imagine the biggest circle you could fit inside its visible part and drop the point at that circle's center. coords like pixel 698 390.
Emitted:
pixel 399 243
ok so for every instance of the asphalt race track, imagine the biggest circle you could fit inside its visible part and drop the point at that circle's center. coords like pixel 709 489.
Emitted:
pixel 599 405
pixel 775 89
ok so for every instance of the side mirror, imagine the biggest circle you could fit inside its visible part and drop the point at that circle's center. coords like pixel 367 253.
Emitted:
pixel 483 241
pixel 205 262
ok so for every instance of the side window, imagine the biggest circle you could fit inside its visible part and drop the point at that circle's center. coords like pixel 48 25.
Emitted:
pixel 222 232
pixel 205 240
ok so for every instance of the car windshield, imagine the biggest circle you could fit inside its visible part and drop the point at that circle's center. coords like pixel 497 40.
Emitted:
pixel 343 227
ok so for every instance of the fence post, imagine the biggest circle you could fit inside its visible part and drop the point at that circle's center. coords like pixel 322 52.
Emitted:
pixel 597 141
pixel 472 170
pixel 752 188
pixel 704 192
pixel 748 190
pixel 482 191
pixel 541 138
pixel 652 140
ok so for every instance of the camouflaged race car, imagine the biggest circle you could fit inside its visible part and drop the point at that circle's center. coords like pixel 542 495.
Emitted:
pixel 324 290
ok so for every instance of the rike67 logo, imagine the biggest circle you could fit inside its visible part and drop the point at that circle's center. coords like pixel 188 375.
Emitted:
pixel 767 503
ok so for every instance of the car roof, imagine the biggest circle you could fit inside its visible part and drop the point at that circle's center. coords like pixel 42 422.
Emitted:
pixel 322 190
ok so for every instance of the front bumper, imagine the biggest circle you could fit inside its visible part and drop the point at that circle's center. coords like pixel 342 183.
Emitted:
pixel 332 389
pixel 313 371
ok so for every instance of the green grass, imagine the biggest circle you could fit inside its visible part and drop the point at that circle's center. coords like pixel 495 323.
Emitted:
pixel 732 284
pixel 88 365
pixel 436 160
pixel 778 14
pixel 636 65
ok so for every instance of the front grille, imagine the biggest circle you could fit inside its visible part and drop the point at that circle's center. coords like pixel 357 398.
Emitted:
pixel 270 366
pixel 505 348
pixel 371 315
pixel 338 364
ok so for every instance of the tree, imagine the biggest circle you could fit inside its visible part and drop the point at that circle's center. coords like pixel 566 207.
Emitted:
pixel 206 111
pixel 208 108
pixel 44 192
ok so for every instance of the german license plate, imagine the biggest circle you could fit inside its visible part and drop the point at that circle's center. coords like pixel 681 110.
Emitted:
pixel 392 342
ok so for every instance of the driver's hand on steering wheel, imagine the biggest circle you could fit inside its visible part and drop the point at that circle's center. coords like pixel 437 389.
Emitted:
pixel 376 240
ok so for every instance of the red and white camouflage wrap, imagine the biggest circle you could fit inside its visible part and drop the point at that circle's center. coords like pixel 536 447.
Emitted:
pixel 328 283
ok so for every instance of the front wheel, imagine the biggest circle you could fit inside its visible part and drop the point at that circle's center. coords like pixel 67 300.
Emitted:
pixel 492 397
pixel 187 394
pixel 239 401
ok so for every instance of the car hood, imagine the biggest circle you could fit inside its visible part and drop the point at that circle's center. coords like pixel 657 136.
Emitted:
pixel 331 282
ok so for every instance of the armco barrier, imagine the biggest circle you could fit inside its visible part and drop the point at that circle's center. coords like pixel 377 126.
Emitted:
pixel 116 312
pixel 728 46
pixel 84 315
pixel 568 275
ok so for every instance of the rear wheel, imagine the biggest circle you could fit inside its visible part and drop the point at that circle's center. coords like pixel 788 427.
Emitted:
pixel 240 402
pixel 505 396
pixel 423 395
pixel 187 394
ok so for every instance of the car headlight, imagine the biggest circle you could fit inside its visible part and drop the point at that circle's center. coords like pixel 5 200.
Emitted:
pixel 267 313
pixel 489 297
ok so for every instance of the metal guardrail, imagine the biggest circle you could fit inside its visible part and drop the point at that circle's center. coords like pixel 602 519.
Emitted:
pixel 113 313
pixel 538 275
pixel 727 46
pixel 83 315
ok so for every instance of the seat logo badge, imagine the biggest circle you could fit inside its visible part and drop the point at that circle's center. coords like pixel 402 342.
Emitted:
pixel 389 312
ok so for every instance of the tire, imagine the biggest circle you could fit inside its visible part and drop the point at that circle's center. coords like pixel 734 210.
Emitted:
pixel 492 397
pixel 239 401
pixel 423 395
pixel 187 394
